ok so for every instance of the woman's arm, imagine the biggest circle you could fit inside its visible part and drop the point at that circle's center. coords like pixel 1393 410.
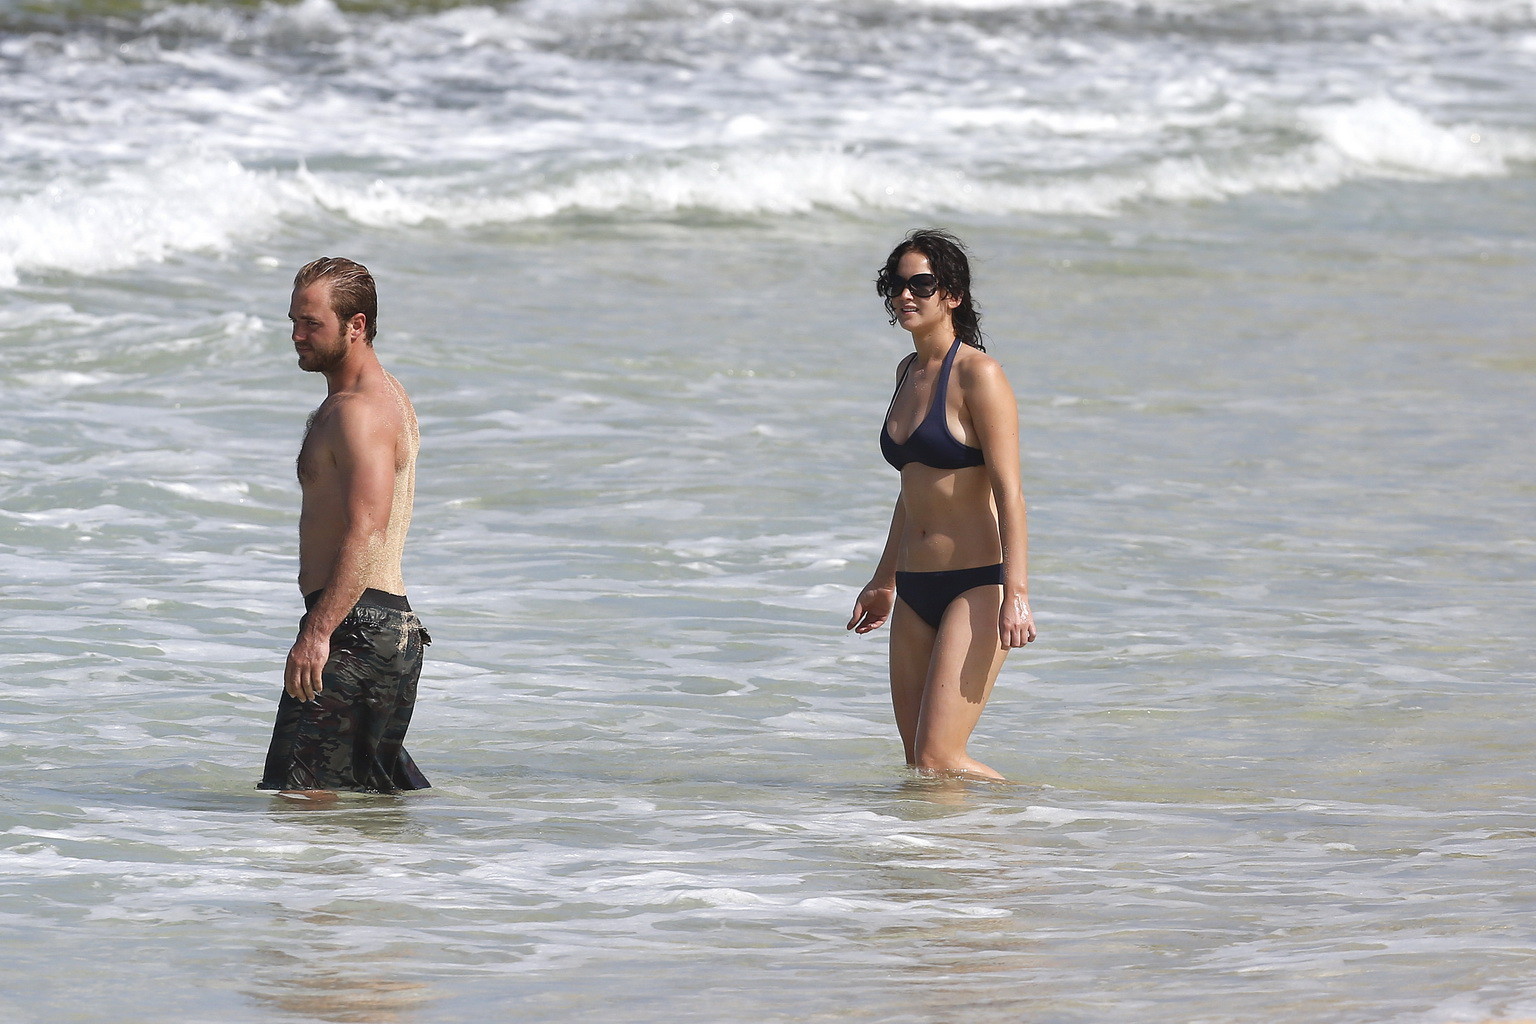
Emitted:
pixel 874 604
pixel 995 416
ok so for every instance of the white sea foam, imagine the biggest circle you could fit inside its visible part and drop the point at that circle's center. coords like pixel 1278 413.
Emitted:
pixel 172 206
pixel 1385 136
pixel 1375 138
pixel 505 116
pixel 1450 10
pixel 282 25
pixel 228 491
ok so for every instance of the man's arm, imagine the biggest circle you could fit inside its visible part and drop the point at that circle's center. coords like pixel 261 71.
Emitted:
pixel 361 444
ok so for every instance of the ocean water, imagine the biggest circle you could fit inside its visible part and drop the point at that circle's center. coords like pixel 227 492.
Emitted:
pixel 1260 274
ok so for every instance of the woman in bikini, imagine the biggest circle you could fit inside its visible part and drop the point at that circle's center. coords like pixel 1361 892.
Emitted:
pixel 952 579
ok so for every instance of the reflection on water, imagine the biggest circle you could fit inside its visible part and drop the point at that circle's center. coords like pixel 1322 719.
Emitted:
pixel 329 982
pixel 370 816
pixel 957 789
pixel 345 961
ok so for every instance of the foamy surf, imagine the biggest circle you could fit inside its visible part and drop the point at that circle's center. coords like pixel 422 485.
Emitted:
pixel 253 118
pixel 130 216
pixel 205 204
pixel 1374 139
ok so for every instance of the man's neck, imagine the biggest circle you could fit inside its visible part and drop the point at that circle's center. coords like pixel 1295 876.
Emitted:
pixel 360 364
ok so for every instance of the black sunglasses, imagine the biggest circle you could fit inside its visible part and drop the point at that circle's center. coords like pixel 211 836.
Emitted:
pixel 922 285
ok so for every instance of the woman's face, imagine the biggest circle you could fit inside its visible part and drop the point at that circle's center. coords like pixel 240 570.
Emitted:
pixel 914 313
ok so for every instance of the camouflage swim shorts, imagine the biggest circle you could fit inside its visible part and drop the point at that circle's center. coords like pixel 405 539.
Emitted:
pixel 351 736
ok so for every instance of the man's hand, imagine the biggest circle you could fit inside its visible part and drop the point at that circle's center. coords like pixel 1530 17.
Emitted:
pixel 306 663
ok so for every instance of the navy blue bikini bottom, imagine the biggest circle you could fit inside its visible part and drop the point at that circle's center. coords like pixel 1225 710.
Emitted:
pixel 929 593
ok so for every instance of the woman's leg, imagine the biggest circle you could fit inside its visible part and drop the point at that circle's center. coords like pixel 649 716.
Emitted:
pixel 911 651
pixel 966 658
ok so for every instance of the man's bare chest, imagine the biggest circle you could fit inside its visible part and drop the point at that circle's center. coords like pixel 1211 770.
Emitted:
pixel 313 449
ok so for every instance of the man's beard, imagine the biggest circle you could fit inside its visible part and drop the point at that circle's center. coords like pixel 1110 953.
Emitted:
pixel 318 361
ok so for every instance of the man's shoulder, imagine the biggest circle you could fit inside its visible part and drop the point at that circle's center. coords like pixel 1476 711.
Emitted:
pixel 360 413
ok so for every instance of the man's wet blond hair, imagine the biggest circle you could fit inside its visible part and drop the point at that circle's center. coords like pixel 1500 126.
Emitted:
pixel 352 289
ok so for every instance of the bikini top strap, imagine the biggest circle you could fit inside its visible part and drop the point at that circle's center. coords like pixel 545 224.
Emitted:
pixel 941 392
pixel 906 368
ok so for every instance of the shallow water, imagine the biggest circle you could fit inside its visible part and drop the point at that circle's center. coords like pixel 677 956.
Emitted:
pixel 1270 753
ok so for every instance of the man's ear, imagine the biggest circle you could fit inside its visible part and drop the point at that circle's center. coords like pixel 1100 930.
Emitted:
pixel 357 327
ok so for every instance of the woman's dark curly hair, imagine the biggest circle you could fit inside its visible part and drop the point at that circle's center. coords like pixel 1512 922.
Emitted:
pixel 946 255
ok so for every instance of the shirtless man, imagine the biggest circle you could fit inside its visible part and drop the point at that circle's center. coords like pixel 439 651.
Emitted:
pixel 349 686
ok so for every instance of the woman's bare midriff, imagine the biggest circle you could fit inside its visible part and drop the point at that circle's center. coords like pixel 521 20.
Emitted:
pixel 951 519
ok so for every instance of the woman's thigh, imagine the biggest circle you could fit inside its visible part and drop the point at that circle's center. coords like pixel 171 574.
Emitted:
pixel 967 657
pixel 911 652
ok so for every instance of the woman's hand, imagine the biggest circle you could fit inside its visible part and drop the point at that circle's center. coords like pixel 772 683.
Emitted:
pixel 1015 623
pixel 872 608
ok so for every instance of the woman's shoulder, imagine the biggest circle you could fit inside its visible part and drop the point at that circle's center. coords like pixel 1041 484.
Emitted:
pixel 972 365
pixel 905 364
pixel 980 376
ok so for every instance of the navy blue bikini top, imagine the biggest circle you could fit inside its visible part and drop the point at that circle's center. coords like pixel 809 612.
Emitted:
pixel 931 444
